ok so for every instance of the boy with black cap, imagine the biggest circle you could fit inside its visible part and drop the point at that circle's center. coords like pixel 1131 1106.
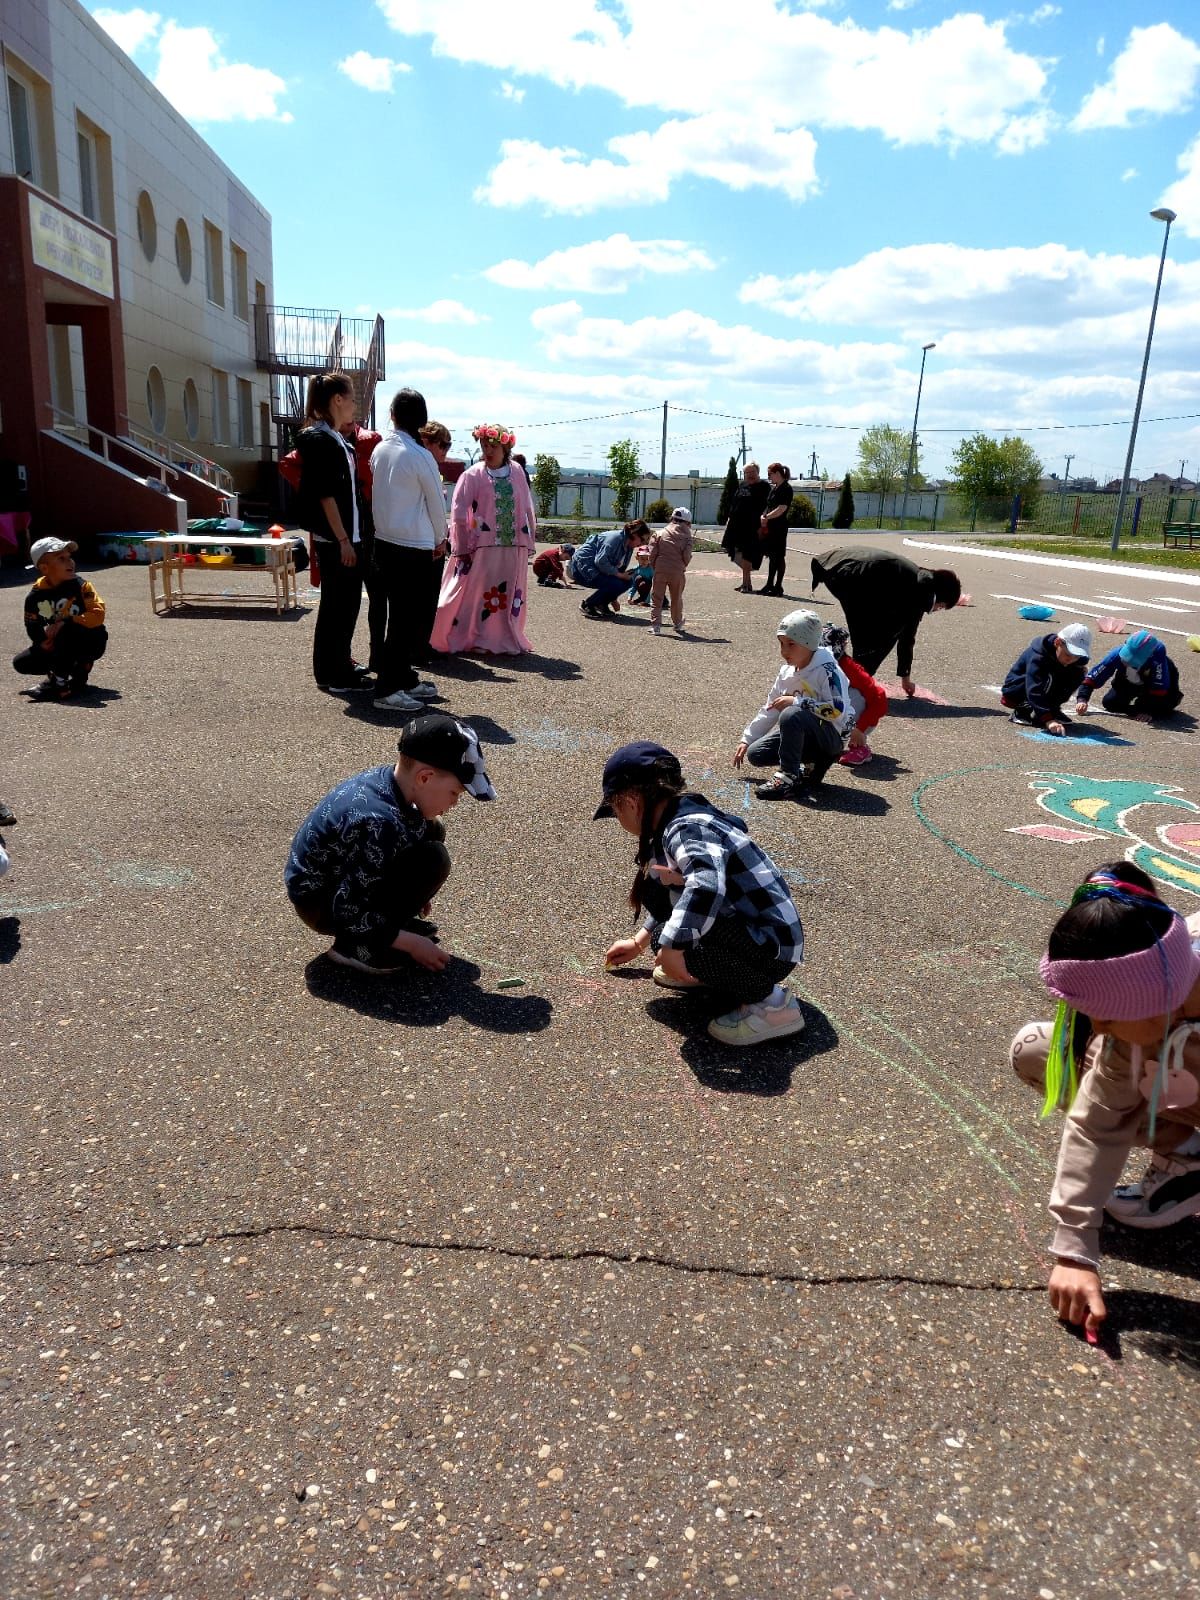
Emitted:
pixel 64 617
pixel 367 861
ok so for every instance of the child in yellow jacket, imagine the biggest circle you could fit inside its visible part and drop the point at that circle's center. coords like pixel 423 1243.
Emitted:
pixel 64 617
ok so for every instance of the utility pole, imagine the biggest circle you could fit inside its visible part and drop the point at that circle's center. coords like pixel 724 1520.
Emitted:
pixel 743 452
pixel 1062 488
pixel 662 460
pixel 1182 464
pixel 912 448
pixel 812 466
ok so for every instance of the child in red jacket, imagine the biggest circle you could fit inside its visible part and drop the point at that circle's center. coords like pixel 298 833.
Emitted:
pixel 867 695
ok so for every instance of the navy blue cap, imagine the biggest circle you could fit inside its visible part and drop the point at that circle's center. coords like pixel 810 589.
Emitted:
pixel 633 764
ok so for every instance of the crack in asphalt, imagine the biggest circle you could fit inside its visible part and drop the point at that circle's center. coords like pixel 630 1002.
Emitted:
pixel 514 1253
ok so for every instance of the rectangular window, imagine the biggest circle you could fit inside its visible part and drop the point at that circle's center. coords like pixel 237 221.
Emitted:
pixel 88 197
pixel 24 130
pixel 241 283
pixel 245 414
pixel 220 410
pixel 214 269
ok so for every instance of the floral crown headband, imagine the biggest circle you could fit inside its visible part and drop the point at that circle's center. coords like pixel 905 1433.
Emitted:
pixel 494 433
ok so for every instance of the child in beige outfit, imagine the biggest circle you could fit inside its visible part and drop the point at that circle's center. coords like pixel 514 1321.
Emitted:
pixel 670 553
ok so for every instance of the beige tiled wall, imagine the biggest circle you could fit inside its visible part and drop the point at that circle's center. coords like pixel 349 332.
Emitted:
pixel 167 323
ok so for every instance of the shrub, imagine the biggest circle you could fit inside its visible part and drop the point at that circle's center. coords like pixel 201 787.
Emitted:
pixel 658 511
pixel 802 513
pixel 843 517
pixel 729 489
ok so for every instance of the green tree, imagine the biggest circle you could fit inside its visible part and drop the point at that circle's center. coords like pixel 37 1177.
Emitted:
pixel 883 459
pixel 547 475
pixel 577 508
pixel 997 469
pixel 728 490
pixel 624 465
pixel 843 517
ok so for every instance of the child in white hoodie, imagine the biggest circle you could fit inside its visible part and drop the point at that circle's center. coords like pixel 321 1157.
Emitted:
pixel 805 717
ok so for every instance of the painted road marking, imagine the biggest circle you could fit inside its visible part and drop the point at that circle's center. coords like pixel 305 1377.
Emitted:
pixel 1086 611
pixel 1105 568
pixel 1150 605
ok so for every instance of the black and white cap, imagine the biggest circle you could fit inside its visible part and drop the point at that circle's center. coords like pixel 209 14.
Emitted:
pixel 453 746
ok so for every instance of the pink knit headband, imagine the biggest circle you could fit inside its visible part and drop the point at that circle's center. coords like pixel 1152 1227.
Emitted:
pixel 1147 983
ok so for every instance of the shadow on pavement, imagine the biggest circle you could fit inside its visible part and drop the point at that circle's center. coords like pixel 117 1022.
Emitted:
pixel 189 612
pixel 466 668
pixel 763 1070
pixel 839 797
pixel 1174 1249
pixel 556 667
pixel 424 1000
pixel 925 709
pixel 881 769
pixel 1163 1326
pixel 10 938
pixel 91 699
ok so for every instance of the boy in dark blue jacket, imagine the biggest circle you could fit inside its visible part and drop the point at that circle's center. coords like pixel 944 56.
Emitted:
pixel 1045 674
pixel 1145 680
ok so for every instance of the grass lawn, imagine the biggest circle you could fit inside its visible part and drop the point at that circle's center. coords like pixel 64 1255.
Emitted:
pixel 1128 555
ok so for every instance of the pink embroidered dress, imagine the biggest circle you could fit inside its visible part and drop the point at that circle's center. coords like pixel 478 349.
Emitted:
pixel 486 583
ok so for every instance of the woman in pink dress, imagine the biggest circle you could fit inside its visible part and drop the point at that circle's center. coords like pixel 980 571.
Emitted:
pixel 484 591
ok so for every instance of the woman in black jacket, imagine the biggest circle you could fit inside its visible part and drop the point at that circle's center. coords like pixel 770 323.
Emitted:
pixel 330 511
pixel 775 526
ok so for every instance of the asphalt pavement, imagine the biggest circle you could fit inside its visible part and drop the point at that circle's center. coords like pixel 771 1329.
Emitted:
pixel 315 1284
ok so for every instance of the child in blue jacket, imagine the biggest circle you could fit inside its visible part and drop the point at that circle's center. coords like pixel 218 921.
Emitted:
pixel 1145 680
pixel 1049 671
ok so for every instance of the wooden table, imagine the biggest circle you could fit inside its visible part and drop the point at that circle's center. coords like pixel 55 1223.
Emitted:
pixel 167 562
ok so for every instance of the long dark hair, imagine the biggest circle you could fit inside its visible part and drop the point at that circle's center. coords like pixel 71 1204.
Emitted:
pixel 661 783
pixel 1116 911
pixel 409 412
pixel 321 391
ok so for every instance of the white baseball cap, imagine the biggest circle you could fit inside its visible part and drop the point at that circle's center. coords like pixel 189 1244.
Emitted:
pixel 1077 637
pixel 41 548
pixel 681 514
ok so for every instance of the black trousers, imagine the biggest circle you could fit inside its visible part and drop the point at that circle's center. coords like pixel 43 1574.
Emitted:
pixel 72 652
pixel 738 969
pixel 377 608
pixel 337 613
pixel 871 639
pixel 407 885
pixel 1133 698
pixel 411 581
pixel 776 552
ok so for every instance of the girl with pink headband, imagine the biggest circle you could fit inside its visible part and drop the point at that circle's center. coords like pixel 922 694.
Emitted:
pixel 1122 1060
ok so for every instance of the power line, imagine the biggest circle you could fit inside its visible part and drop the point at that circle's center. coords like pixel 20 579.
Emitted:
pixel 994 427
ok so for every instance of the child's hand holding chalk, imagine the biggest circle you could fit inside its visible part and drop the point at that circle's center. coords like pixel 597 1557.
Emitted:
pixel 622 952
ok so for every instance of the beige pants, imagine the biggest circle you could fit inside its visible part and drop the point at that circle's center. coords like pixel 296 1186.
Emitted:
pixel 670 581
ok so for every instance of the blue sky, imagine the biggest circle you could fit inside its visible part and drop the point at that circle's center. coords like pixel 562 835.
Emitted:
pixel 572 207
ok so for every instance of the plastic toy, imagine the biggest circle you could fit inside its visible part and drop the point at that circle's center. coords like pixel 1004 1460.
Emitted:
pixel 1036 613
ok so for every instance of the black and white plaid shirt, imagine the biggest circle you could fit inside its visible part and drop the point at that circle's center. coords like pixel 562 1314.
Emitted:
pixel 725 875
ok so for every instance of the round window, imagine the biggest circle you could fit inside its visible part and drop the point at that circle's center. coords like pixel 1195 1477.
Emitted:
pixel 147 226
pixel 156 400
pixel 183 250
pixel 191 409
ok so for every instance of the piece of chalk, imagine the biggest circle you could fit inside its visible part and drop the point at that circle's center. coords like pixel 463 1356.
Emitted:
pixel 611 966
pixel 1091 1335
pixel 510 983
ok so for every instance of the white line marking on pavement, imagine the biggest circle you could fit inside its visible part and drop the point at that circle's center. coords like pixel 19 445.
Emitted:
pixel 1107 568
pixel 1086 611
pixel 1151 605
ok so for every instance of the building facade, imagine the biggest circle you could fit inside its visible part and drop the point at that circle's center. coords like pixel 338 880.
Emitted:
pixel 107 158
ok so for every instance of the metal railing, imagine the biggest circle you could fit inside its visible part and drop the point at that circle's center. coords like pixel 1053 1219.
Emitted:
pixel 182 458
pixel 151 453
pixel 306 339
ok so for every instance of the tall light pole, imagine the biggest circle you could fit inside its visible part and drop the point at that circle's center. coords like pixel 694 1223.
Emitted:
pixel 1161 215
pixel 912 444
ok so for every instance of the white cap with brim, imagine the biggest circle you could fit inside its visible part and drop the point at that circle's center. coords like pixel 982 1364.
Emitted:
pixel 41 548
pixel 1077 637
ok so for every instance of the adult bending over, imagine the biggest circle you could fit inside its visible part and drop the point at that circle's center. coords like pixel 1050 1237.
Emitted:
pixel 884 597
pixel 410 549
pixel 329 511
pixel 492 527
pixel 601 564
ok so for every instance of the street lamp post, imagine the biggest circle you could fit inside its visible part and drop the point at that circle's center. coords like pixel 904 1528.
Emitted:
pixel 912 444
pixel 1160 215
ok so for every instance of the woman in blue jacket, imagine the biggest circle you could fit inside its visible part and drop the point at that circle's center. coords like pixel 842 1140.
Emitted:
pixel 1145 679
pixel 600 565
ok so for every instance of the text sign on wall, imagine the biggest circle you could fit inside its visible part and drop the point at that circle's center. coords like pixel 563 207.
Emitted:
pixel 72 249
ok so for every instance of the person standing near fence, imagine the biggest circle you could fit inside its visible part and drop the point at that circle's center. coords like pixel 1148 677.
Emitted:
pixel 774 527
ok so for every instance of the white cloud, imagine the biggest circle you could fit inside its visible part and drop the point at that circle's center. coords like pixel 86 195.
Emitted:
pixel 605 266
pixel 1155 74
pixel 509 91
pixel 728 147
pixel 1044 13
pixel 204 87
pixel 900 5
pixel 1025 133
pixel 1183 195
pixel 442 313
pixel 1129 173
pixel 1100 45
pixel 922 290
pixel 130 29
pixel 957 81
pixel 376 73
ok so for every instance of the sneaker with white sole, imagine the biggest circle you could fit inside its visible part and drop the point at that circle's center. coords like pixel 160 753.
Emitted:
pixel 1168 1193
pixel 424 691
pixel 758 1024
pixel 398 700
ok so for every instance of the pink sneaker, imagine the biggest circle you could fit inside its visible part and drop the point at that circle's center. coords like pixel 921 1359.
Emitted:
pixel 855 756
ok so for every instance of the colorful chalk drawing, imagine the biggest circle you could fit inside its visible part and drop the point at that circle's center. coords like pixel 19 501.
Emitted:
pixel 1108 805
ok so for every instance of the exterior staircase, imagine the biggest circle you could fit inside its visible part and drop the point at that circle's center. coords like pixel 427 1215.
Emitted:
pixel 295 343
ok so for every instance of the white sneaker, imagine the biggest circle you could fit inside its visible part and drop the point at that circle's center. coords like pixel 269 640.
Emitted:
pixel 398 700
pixel 758 1024
pixel 656 627
pixel 1169 1192
pixel 424 691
